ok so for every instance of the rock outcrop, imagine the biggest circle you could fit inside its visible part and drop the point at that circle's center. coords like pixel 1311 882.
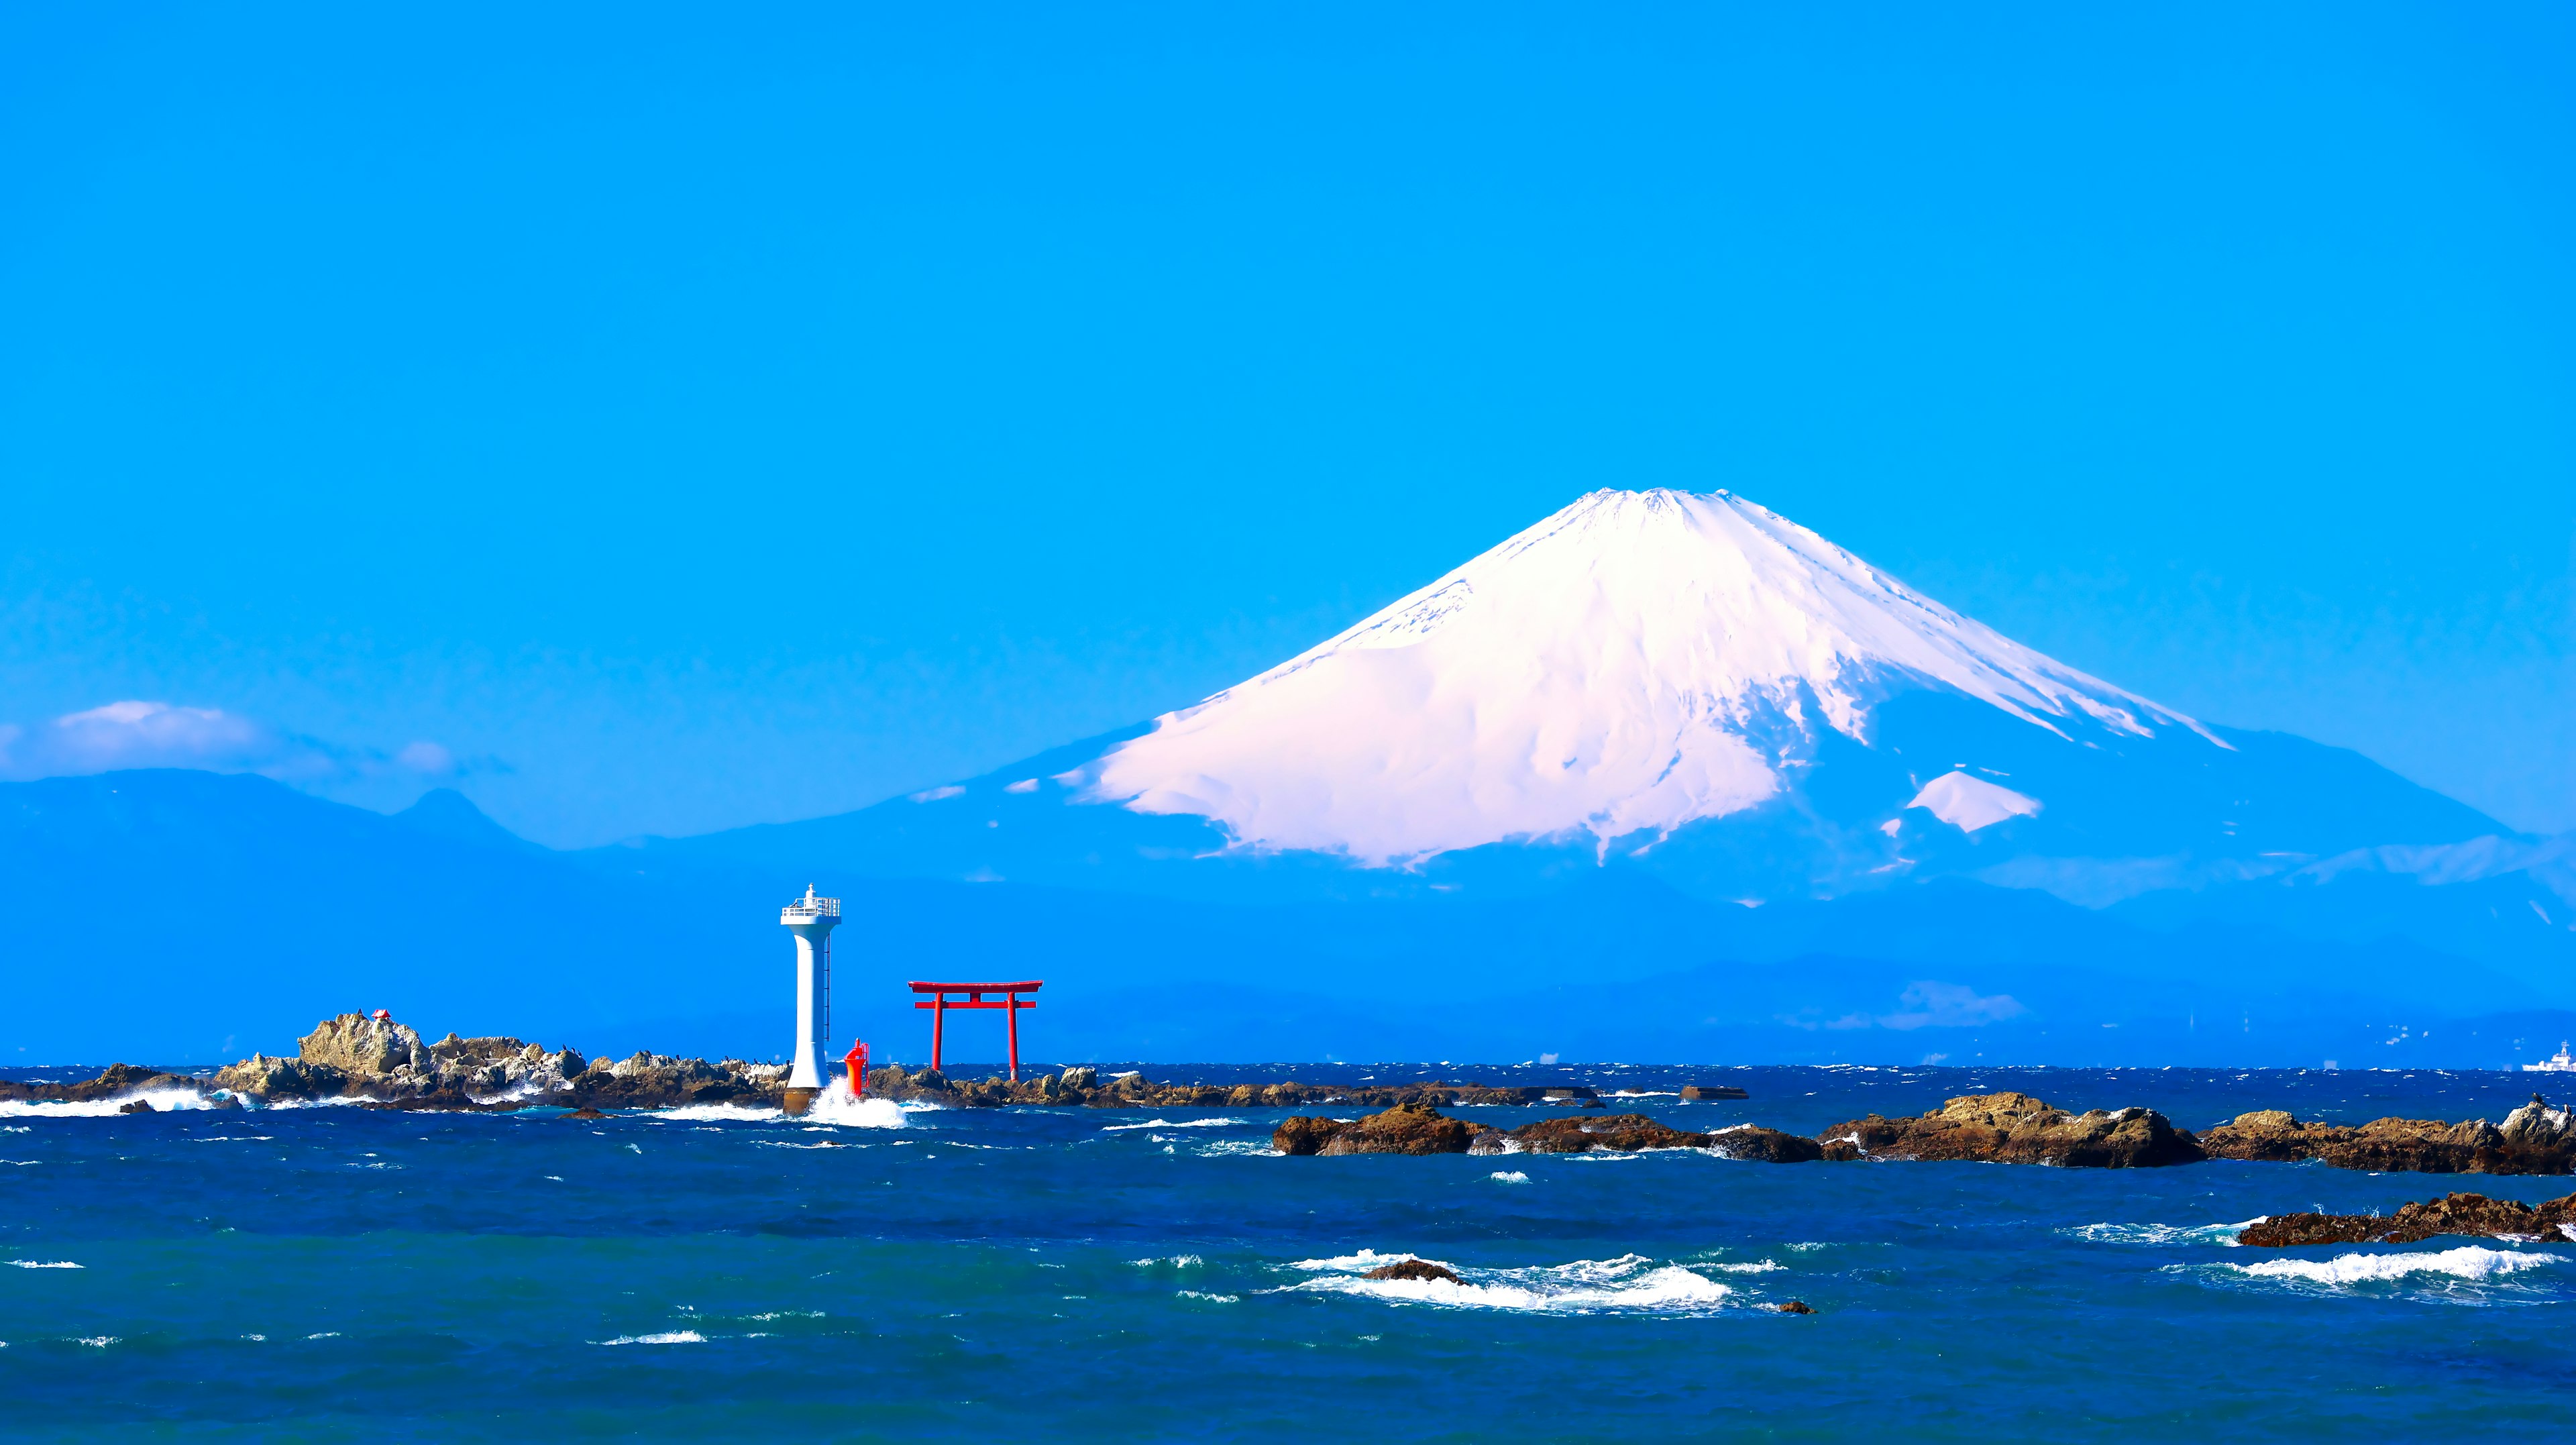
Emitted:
pixel 2472 1214
pixel 1755 1144
pixel 2534 1139
pixel 118 1079
pixel 1404 1129
pixel 1422 1129
pixel 1082 1086
pixel 2014 1128
pixel 1612 1133
pixel 386 1064
pixel 1414 1269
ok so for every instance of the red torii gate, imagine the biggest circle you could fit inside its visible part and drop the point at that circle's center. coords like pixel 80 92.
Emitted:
pixel 1011 1003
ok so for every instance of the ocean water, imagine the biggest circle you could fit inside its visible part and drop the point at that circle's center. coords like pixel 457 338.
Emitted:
pixel 331 1273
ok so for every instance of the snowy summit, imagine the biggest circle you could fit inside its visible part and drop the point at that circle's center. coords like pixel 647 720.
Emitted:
pixel 1636 662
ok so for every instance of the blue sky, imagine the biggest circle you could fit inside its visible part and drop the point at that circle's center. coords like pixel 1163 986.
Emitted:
pixel 658 419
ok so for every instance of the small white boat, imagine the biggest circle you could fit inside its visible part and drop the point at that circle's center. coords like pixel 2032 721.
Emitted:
pixel 2557 1063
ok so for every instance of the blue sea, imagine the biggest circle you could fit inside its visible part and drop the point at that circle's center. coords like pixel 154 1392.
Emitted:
pixel 331 1273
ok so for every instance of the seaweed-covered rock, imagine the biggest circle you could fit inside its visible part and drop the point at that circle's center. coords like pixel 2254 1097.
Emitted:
pixel 2470 1214
pixel 1755 1144
pixel 1414 1269
pixel 2015 1128
pixel 1617 1133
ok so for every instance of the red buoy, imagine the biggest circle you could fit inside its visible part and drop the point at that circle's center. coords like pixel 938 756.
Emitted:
pixel 857 1059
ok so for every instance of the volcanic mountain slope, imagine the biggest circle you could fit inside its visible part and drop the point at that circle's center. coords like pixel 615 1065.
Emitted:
pixel 1687 684
pixel 1635 663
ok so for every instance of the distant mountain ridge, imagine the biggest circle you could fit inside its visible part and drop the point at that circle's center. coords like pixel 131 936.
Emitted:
pixel 1663 777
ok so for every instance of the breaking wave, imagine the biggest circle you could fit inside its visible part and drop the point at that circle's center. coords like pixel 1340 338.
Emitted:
pixel 2469 1262
pixel 2224 1234
pixel 1630 1284
pixel 668 1337
pixel 741 1113
pixel 837 1107
pixel 1168 1124
pixel 45 1264
pixel 162 1101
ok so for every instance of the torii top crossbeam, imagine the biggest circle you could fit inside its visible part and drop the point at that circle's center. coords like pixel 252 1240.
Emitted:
pixel 1010 1003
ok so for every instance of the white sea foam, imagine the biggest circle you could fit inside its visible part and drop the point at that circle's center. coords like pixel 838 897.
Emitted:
pixel 1220 1299
pixel 2222 1234
pixel 667 1337
pixel 1178 1261
pixel 99 1342
pixel 1629 1284
pixel 2469 1261
pixel 162 1101
pixel 738 1113
pixel 837 1107
pixel 1214 1148
pixel 45 1264
pixel 1508 1176
pixel 1758 1266
pixel 791 1144
pixel 1168 1124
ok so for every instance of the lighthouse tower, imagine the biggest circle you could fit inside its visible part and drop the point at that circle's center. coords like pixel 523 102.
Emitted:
pixel 812 920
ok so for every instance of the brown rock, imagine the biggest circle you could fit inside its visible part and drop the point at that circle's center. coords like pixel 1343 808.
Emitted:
pixel 1305 1135
pixel 1404 1129
pixel 584 1112
pixel 2535 1140
pixel 139 1106
pixel 1795 1307
pixel 1693 1093
pixel 2014 1128
pixel 1413 1269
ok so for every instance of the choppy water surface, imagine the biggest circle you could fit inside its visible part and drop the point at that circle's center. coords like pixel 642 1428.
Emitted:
pixel 333 1273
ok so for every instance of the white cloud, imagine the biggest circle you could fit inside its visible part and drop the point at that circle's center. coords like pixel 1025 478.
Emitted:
pixel 139 734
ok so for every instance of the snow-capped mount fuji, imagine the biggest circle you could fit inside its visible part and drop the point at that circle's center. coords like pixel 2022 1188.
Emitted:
pixel 1684 685
pixel 1637 662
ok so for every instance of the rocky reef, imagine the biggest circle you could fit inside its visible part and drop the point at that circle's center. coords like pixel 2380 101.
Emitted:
pixel 1420 1128
pixel 2534 1139
pixel 2011 1128
pixel 380 1062
pixel 1082 1085
pixel 1995 1128
pixel 2473 1214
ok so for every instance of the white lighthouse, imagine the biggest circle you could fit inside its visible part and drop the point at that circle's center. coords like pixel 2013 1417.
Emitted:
pixel 812 919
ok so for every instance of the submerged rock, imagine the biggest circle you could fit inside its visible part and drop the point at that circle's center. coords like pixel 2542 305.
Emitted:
pixel 2471 1214
pixel 2015 1128
pixel 1794 1307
